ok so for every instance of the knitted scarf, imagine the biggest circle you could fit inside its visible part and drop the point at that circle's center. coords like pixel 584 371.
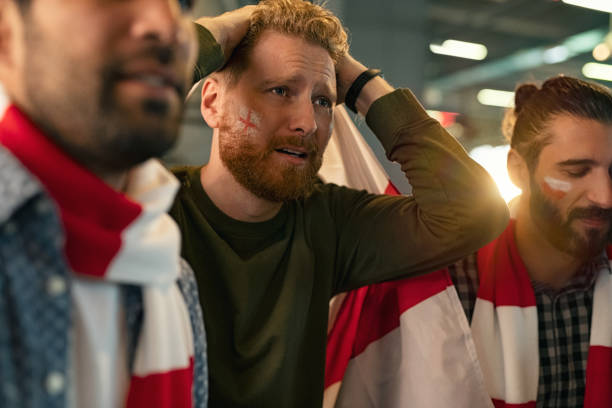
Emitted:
pixel 125 239
pixel 505 330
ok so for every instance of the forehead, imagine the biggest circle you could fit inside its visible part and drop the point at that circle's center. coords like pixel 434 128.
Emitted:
pixel 284 56
pixel 576 138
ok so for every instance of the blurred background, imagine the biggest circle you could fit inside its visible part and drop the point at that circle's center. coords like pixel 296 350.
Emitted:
pixel 462 58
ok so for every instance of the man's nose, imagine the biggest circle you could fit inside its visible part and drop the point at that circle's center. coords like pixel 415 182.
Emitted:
pixel 160 21
pixel 601 193
pixel 303 119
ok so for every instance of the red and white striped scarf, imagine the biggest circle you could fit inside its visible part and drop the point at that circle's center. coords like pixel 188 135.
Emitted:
pixel 505 329
pixel 125 239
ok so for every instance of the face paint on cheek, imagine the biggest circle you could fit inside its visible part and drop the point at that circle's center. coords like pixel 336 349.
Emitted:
pixel 250 121
pixel 554 188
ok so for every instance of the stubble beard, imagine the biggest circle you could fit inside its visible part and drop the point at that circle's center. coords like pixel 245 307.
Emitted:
pixel 256 170
pixel 560 232
pixel 81 113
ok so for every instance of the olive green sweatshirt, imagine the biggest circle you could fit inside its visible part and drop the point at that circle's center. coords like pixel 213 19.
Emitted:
pixel 265 287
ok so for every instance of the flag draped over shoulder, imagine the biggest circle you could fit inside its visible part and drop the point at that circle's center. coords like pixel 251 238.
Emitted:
pixel 394 344
pixel 408 342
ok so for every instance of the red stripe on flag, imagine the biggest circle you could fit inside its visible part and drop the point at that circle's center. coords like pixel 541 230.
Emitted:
pixel 341 337
pixel 391 190
pixel 503 404
pixel 94 215
pixel 385 302
pixel 504 280
pixel 598 374
pixel 171 389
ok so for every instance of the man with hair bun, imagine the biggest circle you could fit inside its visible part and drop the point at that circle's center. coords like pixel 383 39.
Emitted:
pixel 538 298
pixel 269 244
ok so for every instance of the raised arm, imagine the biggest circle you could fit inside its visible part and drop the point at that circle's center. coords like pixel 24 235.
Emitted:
pixel 217 37
pixel 455 208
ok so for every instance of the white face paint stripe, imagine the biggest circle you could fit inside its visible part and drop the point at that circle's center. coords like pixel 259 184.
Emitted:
pixel 251 115
pixel 558 185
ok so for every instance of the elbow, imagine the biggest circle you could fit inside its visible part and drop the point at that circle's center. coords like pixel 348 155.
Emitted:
pixel 488 217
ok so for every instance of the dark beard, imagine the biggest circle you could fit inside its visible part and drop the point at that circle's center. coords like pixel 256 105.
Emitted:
pixel 253 168
pixel 560 233
pixel 80 112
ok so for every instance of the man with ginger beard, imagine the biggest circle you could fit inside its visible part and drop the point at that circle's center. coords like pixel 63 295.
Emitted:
pixel 269 245
pixel 97 309
pixel 537 298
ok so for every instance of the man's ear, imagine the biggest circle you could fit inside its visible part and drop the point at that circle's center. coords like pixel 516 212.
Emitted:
pixel 11 28
pixel 211 100
pixel 518 170
pixel 5 30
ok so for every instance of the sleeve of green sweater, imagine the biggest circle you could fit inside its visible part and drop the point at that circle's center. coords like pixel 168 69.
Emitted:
pixel 210 56
pixel 454 210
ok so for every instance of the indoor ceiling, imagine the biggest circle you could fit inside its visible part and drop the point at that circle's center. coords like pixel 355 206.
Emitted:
pixel 520 36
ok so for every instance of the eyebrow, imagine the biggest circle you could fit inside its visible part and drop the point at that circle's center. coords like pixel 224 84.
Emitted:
pixel 276 81
pixel 577 162
pixel 266 83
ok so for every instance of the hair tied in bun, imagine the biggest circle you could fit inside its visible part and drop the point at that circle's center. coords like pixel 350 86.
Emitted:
pixel 522 94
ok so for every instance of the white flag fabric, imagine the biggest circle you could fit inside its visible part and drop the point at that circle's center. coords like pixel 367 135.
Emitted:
pixel 349 161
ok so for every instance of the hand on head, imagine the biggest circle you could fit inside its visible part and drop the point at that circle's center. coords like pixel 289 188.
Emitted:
pixel 228 28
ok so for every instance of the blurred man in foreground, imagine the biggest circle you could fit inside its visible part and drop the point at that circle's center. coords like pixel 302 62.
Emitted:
pixel 96 307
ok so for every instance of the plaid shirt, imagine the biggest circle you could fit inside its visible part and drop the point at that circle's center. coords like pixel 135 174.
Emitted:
pixel 564 323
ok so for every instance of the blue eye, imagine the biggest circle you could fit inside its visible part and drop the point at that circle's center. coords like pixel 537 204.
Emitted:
pixel 186 5
pixel 323 102
pixel 279 90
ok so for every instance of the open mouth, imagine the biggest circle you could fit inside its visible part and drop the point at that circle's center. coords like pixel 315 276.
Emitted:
pixel 294 153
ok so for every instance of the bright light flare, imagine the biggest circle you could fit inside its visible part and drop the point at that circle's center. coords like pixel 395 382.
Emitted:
pixel 494 97
pixel 599 5
pixel 493 159
pixel 460 49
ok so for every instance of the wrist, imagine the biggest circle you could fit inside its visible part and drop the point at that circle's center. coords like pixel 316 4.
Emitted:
pixel 373 90
pixel 356 87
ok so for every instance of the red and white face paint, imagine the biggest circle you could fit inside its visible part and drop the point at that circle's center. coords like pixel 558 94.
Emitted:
pixel 556 188
pixel 249 120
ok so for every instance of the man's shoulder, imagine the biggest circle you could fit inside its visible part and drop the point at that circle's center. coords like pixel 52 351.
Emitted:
pixel 17 184
pixel 184 173
pixel 324 190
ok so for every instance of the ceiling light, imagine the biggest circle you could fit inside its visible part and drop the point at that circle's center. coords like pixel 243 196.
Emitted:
pixel 601 52
pixel 556 54
pixel 597 71
pixel 600 5
pixel 493 97
pixel 460 49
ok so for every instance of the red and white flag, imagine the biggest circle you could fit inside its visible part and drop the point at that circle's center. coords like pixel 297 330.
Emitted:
pixel 394 344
